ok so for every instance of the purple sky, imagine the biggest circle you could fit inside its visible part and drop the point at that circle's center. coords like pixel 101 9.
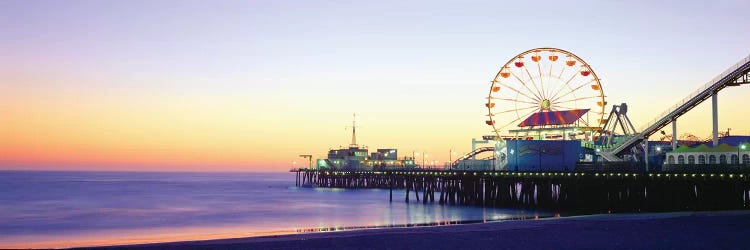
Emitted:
pixel 280 64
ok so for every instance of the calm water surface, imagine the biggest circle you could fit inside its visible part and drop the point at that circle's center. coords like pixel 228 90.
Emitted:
pixel 60 209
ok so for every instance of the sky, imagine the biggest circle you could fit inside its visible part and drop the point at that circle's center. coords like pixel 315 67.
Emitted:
pixel 250 85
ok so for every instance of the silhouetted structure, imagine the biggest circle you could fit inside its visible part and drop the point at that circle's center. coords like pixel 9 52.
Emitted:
pixel 588 192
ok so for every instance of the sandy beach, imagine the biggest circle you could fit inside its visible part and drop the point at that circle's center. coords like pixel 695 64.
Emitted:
pixel 681 230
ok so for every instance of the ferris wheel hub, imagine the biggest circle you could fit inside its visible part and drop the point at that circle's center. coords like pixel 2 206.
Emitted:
pixel 546 104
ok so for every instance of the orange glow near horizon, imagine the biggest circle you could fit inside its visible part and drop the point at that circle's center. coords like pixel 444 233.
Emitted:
pixel 103 131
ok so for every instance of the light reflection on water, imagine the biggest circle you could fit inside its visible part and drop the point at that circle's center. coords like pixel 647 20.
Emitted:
pixel 50 207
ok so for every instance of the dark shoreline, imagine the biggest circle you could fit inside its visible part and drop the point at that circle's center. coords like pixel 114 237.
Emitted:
pixel 678 230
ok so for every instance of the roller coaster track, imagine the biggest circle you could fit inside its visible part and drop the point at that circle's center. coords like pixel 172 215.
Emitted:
pixel 734 76
pixel 472 154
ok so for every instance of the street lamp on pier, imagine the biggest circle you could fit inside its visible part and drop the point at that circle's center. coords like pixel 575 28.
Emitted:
pixel 450 158
pixel 424 155
pixel 414 155
pixel 739 158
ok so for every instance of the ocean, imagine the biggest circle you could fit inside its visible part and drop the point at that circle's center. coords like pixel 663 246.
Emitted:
pixel 66 209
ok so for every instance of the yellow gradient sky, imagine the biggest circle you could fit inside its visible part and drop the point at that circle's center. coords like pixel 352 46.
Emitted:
pixel 248 86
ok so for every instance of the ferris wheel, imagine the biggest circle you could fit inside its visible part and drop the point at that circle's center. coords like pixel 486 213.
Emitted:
pixel 544 80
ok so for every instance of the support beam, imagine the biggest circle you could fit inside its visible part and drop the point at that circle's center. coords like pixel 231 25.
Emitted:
pixel 715 115
pixel 473 147
pixel 674 134
pixel 645 152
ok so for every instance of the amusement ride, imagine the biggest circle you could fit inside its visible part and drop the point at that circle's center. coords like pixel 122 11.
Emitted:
pixel 547 93
pixel 550 94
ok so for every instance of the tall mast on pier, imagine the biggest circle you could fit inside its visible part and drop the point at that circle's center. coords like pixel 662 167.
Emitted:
pixel 354 131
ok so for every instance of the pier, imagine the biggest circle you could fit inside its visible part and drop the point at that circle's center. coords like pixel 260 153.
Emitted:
pixel 589 192
pixel 556 158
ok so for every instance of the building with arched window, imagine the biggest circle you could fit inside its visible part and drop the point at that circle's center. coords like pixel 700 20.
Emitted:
pixel 722 154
